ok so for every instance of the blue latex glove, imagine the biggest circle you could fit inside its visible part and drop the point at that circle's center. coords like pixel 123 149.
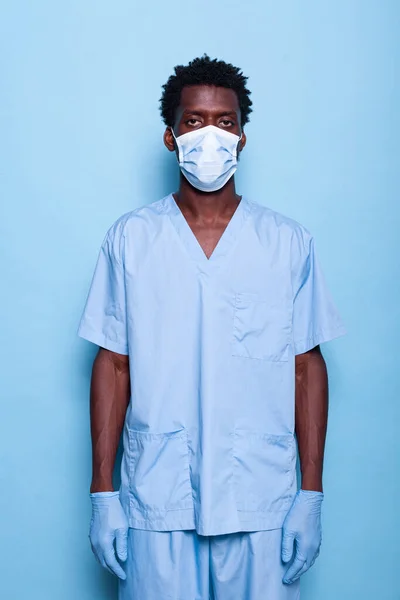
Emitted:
pixel 109 522
pixel 302 533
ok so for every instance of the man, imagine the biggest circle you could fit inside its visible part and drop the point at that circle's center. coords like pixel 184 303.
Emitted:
pixel 209 310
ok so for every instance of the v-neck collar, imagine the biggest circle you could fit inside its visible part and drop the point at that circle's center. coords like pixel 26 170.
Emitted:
pixel 191 243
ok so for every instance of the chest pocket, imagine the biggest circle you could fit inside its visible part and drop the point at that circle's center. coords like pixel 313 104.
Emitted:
pixel 261 328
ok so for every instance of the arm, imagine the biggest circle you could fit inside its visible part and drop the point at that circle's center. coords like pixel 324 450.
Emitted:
pixel 311 407
pixel 109 399
pixel 315 321
pixel 302 526
pixel 104 323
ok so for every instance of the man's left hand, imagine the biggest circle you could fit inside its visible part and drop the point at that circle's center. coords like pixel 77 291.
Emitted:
pixel 302 534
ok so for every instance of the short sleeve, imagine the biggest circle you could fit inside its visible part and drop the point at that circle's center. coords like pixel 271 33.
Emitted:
pixel 315 317
pixel 103 321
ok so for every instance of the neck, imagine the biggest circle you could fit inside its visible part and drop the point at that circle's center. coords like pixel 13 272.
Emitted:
pixel 204 204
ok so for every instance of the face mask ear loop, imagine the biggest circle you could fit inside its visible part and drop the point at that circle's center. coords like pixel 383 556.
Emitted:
pixel 237 146
pixel 180 157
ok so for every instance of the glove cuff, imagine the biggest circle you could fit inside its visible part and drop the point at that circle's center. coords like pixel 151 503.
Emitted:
pixel 312 499
pixel 102 497
pixel 311 494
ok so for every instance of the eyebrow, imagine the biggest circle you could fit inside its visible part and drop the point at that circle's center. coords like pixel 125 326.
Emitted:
pixel 197 111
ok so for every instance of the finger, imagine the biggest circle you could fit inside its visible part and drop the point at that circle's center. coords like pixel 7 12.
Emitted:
pixel 121 536
pixel 314 559
pixel 287 546
pixel 303 569
pixel 114 565
pixel 98 552
pixel 106 567
pixel 293 570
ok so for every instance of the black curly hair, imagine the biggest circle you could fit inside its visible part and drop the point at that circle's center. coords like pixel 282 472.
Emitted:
pixel 204 71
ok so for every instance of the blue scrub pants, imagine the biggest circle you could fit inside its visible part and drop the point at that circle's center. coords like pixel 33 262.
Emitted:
pixel 182 565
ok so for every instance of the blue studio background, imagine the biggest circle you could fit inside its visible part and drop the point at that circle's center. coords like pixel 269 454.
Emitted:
pixel 81 143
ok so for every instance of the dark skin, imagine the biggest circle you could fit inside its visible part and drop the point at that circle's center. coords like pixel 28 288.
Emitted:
pixel 208 214
pixel 109 399
pixel 311 408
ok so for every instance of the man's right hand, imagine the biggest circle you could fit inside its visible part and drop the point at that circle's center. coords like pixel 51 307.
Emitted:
pixel 109 523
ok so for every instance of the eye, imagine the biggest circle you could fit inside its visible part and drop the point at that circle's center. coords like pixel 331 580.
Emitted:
pixel 227 123
pixel 192 122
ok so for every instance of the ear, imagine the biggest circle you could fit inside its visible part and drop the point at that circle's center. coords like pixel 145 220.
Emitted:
pixel 242 142
pixel 169 140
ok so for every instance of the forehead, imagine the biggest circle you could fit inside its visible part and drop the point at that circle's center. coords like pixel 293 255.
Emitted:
pixel 208 98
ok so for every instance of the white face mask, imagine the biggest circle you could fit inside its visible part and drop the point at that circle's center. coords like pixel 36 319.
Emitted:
pixel 208 157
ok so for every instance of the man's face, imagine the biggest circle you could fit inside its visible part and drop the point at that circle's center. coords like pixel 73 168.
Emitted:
pixel 203 105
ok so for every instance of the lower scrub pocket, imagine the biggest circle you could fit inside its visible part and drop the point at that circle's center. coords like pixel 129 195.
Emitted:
pixel 264 470
pixel 159 474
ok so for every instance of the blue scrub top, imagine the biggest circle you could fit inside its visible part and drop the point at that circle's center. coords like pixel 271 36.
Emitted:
pixel 209 432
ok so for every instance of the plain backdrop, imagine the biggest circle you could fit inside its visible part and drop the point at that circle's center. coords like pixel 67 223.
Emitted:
pixel 81 144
